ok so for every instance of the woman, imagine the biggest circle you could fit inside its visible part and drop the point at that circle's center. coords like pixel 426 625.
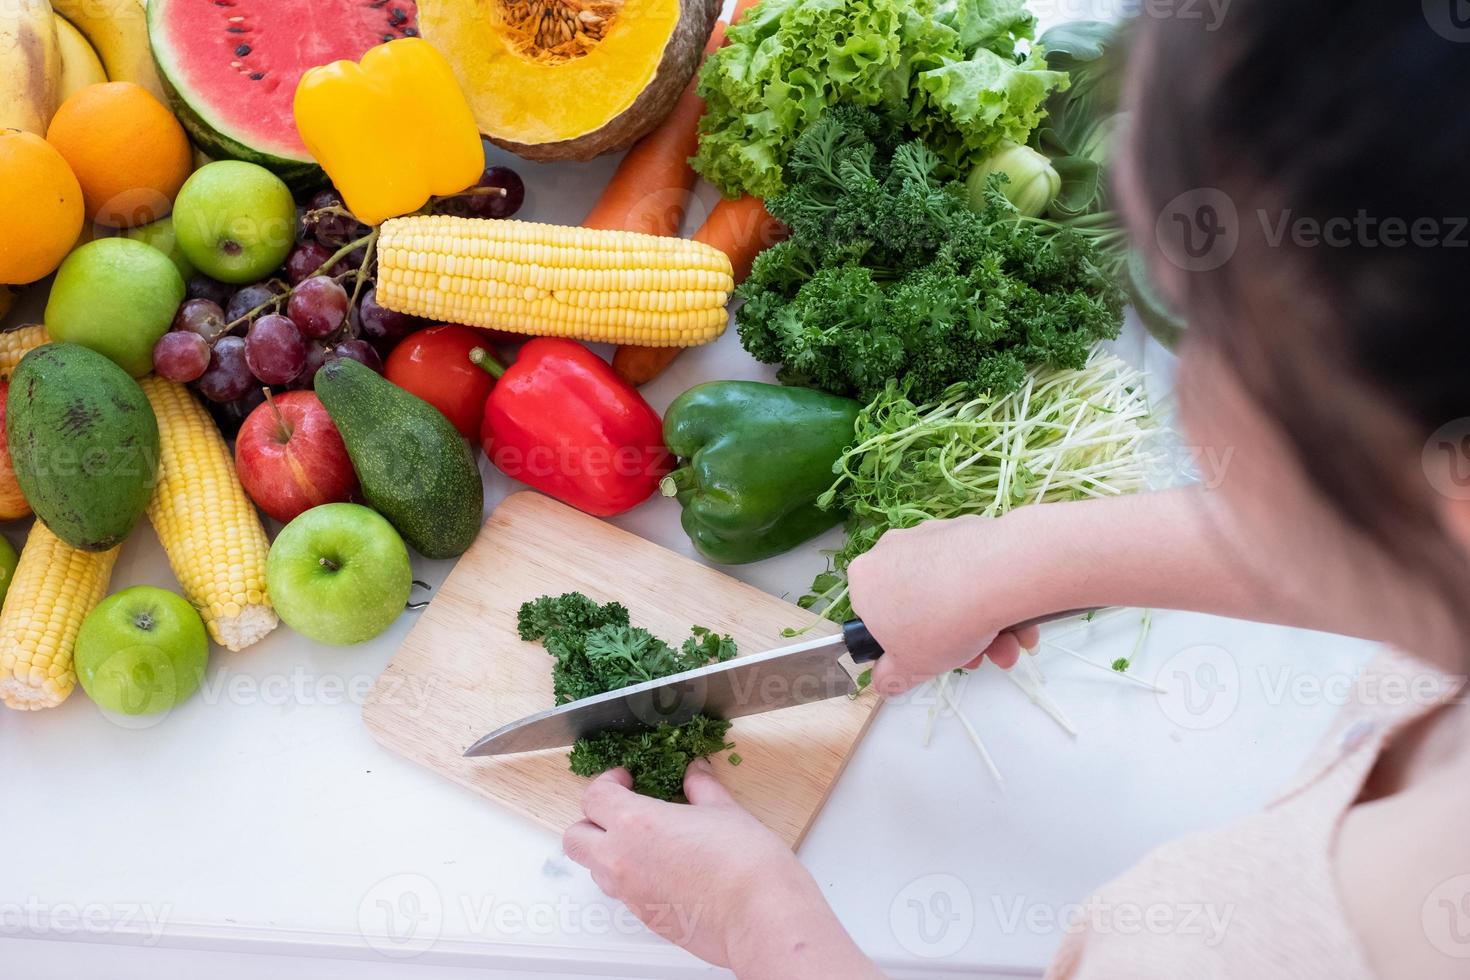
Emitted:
pixel 1328 359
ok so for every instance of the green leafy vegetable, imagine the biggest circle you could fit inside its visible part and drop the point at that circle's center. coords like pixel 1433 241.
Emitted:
pixel 1031 182
pixel 1121 664
pixel 1066 434
pixel 657 759
pixel 563 625
pixel 596 650
pixel 1080 122
pixel 954 72
pixel 1078 132
pixel 572 613
pixel 889 275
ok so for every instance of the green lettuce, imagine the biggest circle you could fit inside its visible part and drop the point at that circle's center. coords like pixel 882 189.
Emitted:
pixel 966 108
pixel 951 71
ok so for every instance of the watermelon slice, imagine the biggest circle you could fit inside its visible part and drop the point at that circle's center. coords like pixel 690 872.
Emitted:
pixel 230 68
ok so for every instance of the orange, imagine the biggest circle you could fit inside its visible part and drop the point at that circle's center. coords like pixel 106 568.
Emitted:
pixel 128 151
pixel 40 207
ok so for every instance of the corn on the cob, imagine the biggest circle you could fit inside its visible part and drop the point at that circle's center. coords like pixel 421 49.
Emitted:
pixel 54 588
pixel 209 529
pixel 555 281
pixel 15 344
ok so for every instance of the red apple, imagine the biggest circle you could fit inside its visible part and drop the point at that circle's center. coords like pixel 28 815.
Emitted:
pixel 291 457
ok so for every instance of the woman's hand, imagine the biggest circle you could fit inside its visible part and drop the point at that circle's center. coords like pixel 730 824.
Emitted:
pixel 709 877
pixel 938 596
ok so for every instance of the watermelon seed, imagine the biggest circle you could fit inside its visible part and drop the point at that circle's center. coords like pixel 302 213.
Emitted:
pixel 257 76
pixel 242 50
pixel 397 16
pixel 235 30
pixel 410 32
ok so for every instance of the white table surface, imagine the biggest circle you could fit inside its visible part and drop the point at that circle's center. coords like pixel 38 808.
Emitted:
pixel 258 829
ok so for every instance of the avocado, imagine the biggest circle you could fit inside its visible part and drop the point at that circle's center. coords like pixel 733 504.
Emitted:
pixel 83 442
pixel 414 466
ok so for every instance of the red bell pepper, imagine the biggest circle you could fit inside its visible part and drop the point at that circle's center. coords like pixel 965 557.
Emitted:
pixel 559 420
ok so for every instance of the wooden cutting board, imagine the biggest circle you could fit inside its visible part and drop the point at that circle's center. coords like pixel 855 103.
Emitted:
pixel 464 671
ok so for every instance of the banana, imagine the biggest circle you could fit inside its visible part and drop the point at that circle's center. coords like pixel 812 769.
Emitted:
pixel 80 65
pixel 118 30
pixel 30 65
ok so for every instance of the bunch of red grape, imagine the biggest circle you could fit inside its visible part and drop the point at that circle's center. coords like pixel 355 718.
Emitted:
pixel 230 343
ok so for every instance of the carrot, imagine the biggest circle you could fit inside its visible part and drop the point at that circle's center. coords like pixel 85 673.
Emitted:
pixel 650 189
pixel 632 208
pixel 742 229
pixel 640 365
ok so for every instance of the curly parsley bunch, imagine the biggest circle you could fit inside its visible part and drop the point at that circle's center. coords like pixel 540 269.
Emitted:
pixel 889 275
pixel 597 650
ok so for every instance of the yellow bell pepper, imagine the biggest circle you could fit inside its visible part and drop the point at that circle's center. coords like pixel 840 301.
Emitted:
pixel 391 131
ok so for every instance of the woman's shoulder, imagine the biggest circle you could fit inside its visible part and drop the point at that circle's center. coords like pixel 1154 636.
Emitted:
pixel 1254 898
pixel 1259 896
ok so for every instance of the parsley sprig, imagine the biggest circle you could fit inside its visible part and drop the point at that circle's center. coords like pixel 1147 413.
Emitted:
pixel 596 649
pixel 890 276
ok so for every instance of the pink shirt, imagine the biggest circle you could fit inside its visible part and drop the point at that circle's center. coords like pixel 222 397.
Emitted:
pixel 1257 899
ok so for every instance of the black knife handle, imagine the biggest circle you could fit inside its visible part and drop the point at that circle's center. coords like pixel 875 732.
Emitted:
pixel 860 642
pixel 865 649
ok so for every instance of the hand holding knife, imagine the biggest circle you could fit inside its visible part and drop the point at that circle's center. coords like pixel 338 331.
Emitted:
pixel 807 671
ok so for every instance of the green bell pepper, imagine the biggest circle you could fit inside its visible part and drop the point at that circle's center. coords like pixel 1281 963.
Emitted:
pixel 754 458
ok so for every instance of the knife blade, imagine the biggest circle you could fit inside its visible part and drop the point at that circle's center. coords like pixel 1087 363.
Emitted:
pixel 811 670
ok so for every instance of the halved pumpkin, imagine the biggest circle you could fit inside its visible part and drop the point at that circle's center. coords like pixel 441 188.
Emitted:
pixel 569 79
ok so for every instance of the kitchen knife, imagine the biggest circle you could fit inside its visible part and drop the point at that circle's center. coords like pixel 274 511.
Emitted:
pixel 797 674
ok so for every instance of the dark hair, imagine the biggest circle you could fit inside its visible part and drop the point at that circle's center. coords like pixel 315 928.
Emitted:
pixel 1297 114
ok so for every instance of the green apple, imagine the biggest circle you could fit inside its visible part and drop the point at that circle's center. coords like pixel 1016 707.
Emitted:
pixel 116 296
pixel 141 651
pixel 235 221
pixel 8 560
pixel 160 234
pixel 338 574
